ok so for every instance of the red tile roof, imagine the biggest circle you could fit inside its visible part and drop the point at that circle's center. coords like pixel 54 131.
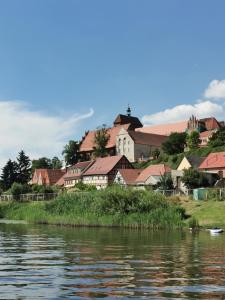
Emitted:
pixel 103 165
pixel 165 129
pixel 130 175
pixel 206 134
pixel 88 142
pixel 211 123
pixel 147 138
pixel 214 161
pixel 153 170
pixel 49 176
pixel 81 168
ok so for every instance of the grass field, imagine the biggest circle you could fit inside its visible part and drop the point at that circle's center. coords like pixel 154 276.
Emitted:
pixel 208 213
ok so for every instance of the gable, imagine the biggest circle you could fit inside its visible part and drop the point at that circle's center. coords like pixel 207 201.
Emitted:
pixel 184 165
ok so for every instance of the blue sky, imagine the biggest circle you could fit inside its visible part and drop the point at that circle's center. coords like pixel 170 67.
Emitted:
pixel 63 57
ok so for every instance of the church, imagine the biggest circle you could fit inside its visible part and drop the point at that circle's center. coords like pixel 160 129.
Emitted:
pixel 124 139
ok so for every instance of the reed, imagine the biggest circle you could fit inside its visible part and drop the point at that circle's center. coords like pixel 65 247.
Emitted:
pixel 114 206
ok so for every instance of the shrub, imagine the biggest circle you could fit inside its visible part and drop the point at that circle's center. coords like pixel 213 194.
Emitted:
pixel 17 189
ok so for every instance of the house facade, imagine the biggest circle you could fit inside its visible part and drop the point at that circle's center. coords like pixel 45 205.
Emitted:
pixel 103 171
pixel 137 145
pixel 74 173
pixel 127 177
pixel 214 163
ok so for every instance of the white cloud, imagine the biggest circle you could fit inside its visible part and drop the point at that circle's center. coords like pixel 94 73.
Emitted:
pixel 183 112
pixel 215 90
pixel 37 133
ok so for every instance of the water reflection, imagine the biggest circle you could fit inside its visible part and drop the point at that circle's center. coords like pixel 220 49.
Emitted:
pixel 55 263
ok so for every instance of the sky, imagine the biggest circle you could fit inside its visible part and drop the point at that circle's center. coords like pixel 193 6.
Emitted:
pixel 70 66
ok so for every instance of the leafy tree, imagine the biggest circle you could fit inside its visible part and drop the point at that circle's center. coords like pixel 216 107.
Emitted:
pixel 56 163
pixel 9 174
pixel 192 178
pixel 165 182
pixel 17 189
pixel 101 139
pixel 24 168
pixel 71 152
pixel 175 143
pixel 193 140
pixel 218 138
pixel 156 153
pixel 41 163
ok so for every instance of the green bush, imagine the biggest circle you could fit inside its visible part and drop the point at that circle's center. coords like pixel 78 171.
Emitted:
pixel 17 189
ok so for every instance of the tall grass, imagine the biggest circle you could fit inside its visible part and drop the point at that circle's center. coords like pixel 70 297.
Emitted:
pixel 114 206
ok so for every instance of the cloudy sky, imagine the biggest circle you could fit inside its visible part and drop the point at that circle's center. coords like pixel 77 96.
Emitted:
pixel 68 66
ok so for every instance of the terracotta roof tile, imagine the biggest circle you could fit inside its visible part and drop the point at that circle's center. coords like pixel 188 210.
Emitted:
pixel 147 138
pixel 214 161
pixel 165 129
pixel 103 165
pixel 49 176
pixel 130 175
pixel 153 170
pixel 88 142
pixel 81 167
pixel 211 123
pixel 206 134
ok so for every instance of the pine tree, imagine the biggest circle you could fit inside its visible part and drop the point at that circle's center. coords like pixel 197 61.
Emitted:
pixel 9 174
pixel 24 168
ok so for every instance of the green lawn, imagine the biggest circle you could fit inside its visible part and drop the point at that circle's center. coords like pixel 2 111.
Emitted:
pixel 208 213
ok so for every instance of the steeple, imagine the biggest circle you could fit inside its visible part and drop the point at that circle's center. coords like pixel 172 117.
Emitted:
pixel 128 111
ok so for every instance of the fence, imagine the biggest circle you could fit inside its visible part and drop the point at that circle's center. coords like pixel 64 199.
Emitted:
pixel 29 197
pixel 209 193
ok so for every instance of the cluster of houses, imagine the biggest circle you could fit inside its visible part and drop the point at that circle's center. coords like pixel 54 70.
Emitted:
pixel 129 142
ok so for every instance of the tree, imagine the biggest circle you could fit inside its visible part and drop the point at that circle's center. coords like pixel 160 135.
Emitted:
pixel 218 138
pixel 71 152
pixel 41 163
pixel 9 174
pixel 156 153
pixel 165 182
pixel 175 143
pixel 101 139
pixel 192 178
pixel 24 168
pixel 17 189
pixel 193 140
pixel 56 163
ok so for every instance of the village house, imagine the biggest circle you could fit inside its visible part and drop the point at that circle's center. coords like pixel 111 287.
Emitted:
pixel 127 177
pixel 152 174
pixel 137 145
pixel 214 163
pixel 47 176
pixel 186 163
pixel 74 173
pixel 103 171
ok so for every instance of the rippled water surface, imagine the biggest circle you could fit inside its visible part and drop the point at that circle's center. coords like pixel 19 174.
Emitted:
pixel 44 262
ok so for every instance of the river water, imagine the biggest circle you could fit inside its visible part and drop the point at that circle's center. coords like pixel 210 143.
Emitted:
pixel 47 262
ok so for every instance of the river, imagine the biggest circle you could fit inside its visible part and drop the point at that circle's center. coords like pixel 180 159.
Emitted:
pixel 48 262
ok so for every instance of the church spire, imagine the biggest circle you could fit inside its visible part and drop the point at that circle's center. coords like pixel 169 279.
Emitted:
pixel 128 111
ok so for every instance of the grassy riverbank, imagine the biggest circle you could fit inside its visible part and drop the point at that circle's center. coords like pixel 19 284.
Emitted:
pixel 208 213
pixel 111 207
